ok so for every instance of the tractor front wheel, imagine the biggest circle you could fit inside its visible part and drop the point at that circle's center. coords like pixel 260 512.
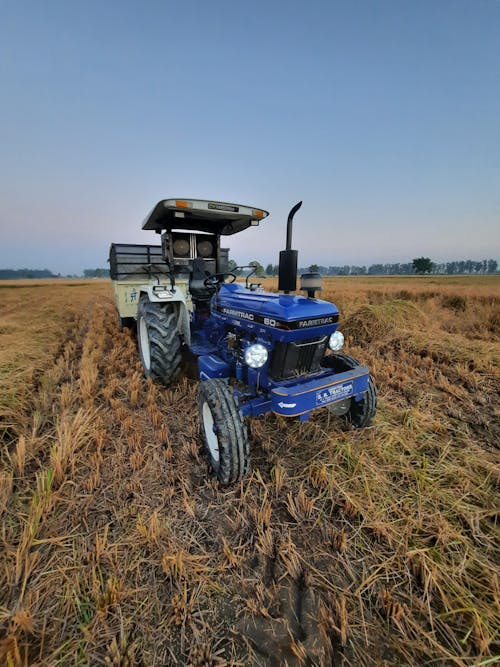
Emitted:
pixel 158 340
pixel 360 413
pixel 223 430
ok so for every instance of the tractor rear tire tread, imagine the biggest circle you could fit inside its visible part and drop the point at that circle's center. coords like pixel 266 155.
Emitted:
pixel 361 412
pixel 232 435
pixel 164 341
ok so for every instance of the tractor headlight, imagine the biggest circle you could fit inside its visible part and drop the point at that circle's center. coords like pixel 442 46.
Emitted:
pixel 256 355
pixel 336 341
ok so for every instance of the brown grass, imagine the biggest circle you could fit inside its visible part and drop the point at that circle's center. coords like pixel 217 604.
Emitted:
pixel 377 547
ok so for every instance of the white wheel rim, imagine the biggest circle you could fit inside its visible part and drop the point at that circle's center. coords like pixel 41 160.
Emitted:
pixel 210 436
pixel 144 341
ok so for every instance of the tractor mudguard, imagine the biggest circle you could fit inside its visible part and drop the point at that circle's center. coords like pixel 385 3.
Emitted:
pixel 176 297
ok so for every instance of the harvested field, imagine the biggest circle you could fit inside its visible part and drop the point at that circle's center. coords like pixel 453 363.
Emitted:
pixel 370 547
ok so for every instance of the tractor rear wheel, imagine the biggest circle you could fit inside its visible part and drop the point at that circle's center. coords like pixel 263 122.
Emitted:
pixel 223 430
pixel 360 413
pixel 158 340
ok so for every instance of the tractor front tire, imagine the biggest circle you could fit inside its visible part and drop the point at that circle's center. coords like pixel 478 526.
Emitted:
pixel 223 430
pixel 159 341
pixel 361 412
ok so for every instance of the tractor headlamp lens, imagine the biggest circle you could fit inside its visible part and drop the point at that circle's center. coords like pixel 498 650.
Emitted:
pixel 256 355
pixel 336 341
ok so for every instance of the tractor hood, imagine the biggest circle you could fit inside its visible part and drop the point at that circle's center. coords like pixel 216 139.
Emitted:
pixel 281 311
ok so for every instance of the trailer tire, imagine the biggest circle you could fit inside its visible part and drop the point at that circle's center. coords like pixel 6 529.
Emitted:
pixel 361 412
pixel 126 323
pixel 158 340
pixel 223 430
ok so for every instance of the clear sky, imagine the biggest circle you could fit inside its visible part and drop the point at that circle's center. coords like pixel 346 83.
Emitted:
pixel 383 116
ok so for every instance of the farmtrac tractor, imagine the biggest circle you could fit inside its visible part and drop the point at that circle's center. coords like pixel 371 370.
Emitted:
pixel 257 351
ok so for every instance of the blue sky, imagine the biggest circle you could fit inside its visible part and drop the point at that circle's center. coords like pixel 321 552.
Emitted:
pixel 382 116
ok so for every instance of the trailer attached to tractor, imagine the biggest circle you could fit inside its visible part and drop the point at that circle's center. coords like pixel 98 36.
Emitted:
pixel 257 351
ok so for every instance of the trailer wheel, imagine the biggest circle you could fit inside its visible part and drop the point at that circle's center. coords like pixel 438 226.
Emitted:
pixel 223 430
pixel 158 340
pixel 360 413
pixel 126 323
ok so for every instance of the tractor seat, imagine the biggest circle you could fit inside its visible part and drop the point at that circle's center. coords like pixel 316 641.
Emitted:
pixel 198 275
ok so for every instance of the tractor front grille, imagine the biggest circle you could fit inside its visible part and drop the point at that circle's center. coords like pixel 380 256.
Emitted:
pixel 299 358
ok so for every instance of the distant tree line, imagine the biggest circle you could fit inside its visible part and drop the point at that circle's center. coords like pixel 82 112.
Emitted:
pixel 467 266
pixel 238 270
pixel 96 273
pixel 418 265
pixel 16 274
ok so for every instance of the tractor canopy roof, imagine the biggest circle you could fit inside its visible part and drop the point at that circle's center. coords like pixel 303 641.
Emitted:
pixel 202 215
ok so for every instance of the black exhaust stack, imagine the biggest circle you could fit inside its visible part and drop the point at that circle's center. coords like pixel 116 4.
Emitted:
pixel 287 281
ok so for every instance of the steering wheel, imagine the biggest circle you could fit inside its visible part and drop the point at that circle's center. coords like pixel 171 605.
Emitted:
pixel 218 279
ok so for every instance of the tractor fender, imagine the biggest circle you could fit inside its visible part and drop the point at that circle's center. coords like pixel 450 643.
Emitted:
pixel 177 299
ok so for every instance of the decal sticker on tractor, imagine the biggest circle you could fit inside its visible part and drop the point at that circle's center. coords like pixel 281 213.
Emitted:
pixel 287 405
pixel 278 324
pixel 335 393
pixel 238 313
pixel 317 321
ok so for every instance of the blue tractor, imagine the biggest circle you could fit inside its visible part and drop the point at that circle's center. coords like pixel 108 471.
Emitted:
pixel 257 351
